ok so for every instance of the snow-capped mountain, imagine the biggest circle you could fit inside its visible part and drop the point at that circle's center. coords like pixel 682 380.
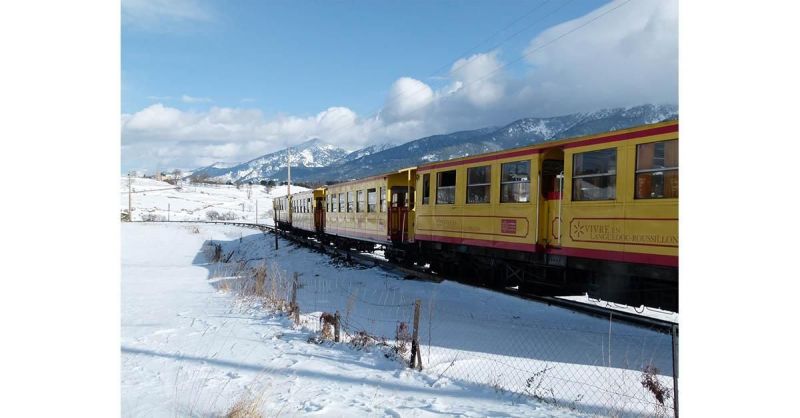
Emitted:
pixel 312 153
pixel 317 162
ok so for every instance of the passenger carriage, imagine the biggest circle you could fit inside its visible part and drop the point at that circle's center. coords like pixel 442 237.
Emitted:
pixel 374 210
pixel 597 213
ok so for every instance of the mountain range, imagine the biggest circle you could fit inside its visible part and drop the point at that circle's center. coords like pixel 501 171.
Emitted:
pixel 317 162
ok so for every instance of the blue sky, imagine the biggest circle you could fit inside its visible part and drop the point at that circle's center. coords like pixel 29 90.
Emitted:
pixel 204 81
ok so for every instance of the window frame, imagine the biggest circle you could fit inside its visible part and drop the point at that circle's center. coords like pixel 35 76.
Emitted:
pixel 360 201
pixel 374 192
pixel 637 171
pixel 528 182
pixel 351 203
pixel 439 176
pixel 382 199
pixel 426 188
pixel 489 184
pixel 595 175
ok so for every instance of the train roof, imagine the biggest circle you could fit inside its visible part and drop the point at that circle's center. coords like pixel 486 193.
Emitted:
pixel 656 128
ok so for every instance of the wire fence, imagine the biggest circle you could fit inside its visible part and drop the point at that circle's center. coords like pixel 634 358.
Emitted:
pixel 590 365
pixel 528 351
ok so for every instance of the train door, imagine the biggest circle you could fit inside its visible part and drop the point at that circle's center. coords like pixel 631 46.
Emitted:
pixel 551 187
pixel 319 215
pixel 402 199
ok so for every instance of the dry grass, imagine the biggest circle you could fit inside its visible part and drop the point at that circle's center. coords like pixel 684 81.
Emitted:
pixel 247 406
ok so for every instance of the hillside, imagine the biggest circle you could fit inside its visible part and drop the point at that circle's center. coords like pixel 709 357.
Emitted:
pixel 315 161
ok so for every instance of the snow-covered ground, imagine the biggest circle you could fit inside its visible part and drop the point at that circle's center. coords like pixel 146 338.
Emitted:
pixel 158 200
pixel 191 350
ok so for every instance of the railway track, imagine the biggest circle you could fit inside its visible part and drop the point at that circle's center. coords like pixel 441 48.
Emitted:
pixel 663 326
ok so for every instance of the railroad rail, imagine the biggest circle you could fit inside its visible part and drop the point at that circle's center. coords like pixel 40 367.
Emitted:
pixel 659 325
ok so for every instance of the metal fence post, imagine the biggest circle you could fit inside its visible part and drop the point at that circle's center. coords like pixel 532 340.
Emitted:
pixel 675 368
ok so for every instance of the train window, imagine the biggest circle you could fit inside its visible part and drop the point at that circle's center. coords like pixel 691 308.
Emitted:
pixel 479 182
pixel 426 188
pixel 351 202
pixel 594 175
pixel 310 206
pixel 515 182
pixel 342 203
pixel 657 170
pixel 446 187
pixel 383 199
pixel 372 200
pixel 360 206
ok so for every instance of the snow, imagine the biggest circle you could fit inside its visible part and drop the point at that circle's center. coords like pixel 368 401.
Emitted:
pixel 640 310
pixel 157 200
pixel 190 350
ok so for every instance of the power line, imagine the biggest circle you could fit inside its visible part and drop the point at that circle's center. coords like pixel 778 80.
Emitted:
pixel 489 74
pixel 391 99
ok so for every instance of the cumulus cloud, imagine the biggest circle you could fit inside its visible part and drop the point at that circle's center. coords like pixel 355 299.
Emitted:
pixel 479 79
pixel 406 96
pixel 627 57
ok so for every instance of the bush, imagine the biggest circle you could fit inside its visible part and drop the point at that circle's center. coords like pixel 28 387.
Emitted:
pixel 152 217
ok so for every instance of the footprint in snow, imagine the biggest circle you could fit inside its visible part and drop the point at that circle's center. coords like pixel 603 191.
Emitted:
pixel 233 375
pixel 311 407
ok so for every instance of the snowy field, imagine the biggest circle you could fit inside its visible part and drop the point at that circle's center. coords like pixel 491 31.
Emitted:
pixel 189 349
pixel 158 200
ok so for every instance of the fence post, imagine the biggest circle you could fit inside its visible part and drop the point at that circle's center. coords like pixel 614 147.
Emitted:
pixel 416 357
pixel 295 310
pixel 675 368
pixel 336 326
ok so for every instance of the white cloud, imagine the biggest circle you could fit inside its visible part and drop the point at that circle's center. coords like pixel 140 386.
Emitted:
pixel 164 14
pixel 627 57
pixel 406 96
pixel 189 99
pixel 478 78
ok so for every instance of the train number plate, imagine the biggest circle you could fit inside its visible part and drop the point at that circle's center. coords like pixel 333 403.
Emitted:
pixel 556 260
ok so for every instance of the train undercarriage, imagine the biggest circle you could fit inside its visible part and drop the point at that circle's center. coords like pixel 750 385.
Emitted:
pixel 533 273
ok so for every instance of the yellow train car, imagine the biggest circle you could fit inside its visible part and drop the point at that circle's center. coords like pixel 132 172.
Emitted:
pixel 374 209
pixel 599 210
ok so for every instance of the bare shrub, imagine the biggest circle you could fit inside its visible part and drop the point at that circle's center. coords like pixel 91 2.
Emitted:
pixel 362 340
pixel 534 387
pixel 327 322
pixel 152 217
pixel 402 339
pixel 212 215
pixel 228 216
pixel 654 386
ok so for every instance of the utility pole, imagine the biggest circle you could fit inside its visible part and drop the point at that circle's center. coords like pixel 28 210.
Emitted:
pixel 289 170
pixel 130 214
pixel 256 211
pixel 168 210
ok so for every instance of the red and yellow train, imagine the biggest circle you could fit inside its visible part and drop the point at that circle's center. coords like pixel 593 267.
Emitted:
pixel 596 214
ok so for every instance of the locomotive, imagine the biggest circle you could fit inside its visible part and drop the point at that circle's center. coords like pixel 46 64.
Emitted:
pixel 595 214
